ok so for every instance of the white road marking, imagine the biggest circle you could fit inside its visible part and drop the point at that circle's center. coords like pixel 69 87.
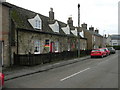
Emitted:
pixel 74 74
pixel 56 63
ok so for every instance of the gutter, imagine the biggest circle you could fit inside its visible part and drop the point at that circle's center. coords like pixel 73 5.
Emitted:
pixel 35 31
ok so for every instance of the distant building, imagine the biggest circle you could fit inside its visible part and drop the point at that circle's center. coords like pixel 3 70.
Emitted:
pixel 113 40
pixel 94 39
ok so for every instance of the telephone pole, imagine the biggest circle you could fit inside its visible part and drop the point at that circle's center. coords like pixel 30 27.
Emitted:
pixel 78 30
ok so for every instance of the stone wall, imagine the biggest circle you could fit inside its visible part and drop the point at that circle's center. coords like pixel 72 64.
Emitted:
pixel 26 42
pixel 89 40
pixel 5 35
pixel 83 44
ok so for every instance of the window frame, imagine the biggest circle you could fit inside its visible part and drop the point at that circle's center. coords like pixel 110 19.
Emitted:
pixel 37 44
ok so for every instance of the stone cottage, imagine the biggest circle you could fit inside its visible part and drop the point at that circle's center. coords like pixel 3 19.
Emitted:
pixel 25 32
pixel 94 39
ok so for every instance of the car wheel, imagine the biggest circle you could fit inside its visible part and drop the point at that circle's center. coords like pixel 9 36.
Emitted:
pixel 91 56
pixel 102 56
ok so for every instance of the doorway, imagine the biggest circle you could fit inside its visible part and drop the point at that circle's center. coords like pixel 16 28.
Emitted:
pixel 52 46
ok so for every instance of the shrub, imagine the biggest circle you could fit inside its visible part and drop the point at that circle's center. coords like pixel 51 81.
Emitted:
pixel 116 47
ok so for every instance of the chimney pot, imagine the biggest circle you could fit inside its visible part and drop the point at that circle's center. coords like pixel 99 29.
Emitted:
pixel 84 26
pixel 70 22
pixel 51 9
pixel 91 28
pixel 97 31
pixel 51 14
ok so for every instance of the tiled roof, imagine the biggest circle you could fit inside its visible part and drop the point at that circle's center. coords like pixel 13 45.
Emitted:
pixel 93 33
pixel 20 17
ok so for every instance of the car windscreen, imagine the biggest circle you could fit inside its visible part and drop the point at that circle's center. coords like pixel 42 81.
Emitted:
pixel 96 50
pixel 102 50
pixel 110 48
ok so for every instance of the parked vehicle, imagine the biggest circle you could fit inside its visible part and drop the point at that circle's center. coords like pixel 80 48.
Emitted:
pixel 107 51
pixel 98 52
pixel 1 79
pixel 112 50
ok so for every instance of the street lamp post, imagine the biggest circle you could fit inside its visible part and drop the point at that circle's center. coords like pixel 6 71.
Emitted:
pixel 78 30
pixel 103 38
pixel 78 15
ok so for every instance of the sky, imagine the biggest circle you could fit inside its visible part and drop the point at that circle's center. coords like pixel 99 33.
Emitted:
pixel 101 14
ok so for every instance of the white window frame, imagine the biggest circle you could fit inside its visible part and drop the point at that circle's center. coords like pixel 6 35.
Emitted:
pixel 37 23
pixel 56 46
pixel 37 44
pixel 68 46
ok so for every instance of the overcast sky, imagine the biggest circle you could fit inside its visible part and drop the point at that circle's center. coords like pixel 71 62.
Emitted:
pixel 101 14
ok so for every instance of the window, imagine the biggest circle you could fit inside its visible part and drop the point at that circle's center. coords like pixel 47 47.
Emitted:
pixel 46 42
pixel 47 45
pixel 56 46
pixel 36 47
pixel 68 46
pixel 115 44
pixel 37 23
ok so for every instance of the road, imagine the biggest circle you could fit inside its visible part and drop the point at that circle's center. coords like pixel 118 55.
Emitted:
pixel 91 73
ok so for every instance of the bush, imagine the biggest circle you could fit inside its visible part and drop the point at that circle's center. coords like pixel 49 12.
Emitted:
pixel 116 47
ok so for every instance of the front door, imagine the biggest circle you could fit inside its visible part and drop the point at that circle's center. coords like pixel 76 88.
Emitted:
pixel 52 45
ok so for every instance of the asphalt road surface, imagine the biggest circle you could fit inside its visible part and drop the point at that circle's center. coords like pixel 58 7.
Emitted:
pixel 91 73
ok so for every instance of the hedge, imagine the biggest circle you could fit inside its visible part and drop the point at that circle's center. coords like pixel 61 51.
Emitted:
pixel 115 47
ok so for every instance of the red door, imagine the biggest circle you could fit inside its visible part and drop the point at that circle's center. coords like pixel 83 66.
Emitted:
pixel 52 47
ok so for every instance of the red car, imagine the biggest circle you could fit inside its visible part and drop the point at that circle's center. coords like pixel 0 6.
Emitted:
pixel 1 79
pixel 107 51
pixel 98 52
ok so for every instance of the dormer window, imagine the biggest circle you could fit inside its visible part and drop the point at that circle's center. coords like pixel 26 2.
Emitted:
pixel 74 32
pixel 54 27
pixel 66 30
pixel 36 22
pixel 81 34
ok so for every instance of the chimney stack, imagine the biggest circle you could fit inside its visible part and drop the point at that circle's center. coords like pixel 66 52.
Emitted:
pixel 97 31
pixel 91 28
pixel 51 14
pixel 70 22
pixel 84 26
pixel 105 35
pixel 1 1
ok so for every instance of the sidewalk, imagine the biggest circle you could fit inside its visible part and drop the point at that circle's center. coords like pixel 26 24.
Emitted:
pixel 15 72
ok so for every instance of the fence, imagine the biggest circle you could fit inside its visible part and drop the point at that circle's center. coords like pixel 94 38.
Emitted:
pixel 35 59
